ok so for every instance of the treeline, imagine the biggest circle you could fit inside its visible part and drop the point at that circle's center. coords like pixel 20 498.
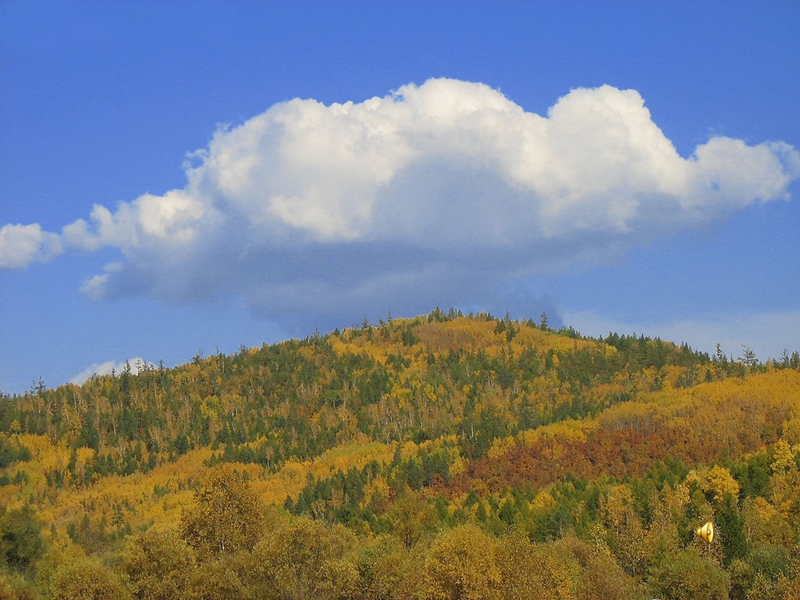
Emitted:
pixel 446 456
pixel 417 379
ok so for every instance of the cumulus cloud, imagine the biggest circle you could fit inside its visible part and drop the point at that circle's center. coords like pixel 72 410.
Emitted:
pixel 107 368
pixel 21 245
pixel 431 194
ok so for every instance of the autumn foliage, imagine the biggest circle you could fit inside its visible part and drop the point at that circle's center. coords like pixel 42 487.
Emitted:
pixel 441 457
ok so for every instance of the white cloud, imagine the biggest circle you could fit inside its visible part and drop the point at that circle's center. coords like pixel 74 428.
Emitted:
pixel 167 219
pixel 21 245
pixel 106 368
pixel 766 333
pixel 433 191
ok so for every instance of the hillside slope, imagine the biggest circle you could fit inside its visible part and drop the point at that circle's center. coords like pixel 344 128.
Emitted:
pixel 429 433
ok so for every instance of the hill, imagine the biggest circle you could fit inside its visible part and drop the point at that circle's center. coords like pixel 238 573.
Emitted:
pixel 445 456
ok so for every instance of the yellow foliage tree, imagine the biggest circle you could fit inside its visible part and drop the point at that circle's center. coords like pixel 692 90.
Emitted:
pixel 535 571
pixel 88 579
pixel 410 517
pixel 228 515
pixel 388 570
pixel 625 531
pixel 159 564
pixel 304 559
pixel 461 566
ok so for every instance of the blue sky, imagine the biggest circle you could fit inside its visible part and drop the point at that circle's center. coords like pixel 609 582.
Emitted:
pixel 189 177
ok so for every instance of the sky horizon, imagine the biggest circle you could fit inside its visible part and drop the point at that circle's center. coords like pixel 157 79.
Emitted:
pixel 189 178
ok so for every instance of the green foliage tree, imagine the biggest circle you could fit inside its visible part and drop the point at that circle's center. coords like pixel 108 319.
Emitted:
pixel 770 569
pixel 14 586
pixel 688 576
pixel 731 524
pixel 749 357
pixel 20 537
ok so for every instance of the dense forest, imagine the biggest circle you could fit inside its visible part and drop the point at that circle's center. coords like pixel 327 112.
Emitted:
pixel 440 457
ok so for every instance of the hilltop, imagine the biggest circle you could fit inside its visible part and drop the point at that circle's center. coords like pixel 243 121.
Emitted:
pixel 391 448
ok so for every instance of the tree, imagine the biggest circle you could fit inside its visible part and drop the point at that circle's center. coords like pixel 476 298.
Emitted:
pixel 625 529
pixel 87 579
pixel 461 566
pixel 687 576
pixel 749 357
pixel 388 571
pixel 720 361
pixel 160 565
pixel 7 592
pixel 770 560
pixel 305 559
pixel 536 571
pixel 228 515
pixel 15 586
pixel 20 539
pixel 730 522
pixel 217 580
pixel 410 517
pixel 604 578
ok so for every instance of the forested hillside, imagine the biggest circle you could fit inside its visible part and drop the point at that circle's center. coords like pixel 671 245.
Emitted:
pixel 445 456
